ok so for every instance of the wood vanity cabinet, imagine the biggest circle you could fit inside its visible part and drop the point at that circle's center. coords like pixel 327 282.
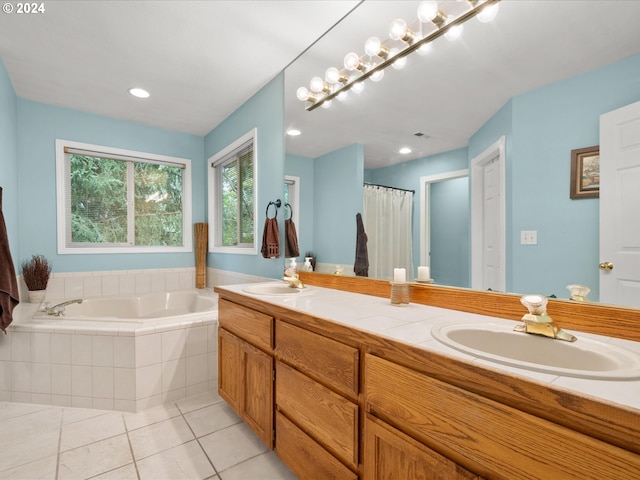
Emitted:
pixel 316 403
pixel 482 435
pixel 390 455
pixel 245 378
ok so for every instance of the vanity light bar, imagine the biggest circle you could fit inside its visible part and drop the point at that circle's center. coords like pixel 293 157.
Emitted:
pixel 388 60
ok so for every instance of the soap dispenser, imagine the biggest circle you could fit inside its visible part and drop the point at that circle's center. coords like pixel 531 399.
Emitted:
pixel 307 267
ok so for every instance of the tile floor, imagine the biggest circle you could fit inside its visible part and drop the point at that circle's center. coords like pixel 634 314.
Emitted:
pixel 196 438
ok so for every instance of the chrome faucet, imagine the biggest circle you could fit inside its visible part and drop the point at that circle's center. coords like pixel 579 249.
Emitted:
pixel 537 321
pixel 58 310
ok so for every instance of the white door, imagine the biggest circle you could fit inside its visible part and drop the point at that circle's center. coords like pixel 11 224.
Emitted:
pixel 619 206
pixel 488 219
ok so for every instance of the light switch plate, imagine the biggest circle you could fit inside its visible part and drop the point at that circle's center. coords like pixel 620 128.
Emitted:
pixel 528 237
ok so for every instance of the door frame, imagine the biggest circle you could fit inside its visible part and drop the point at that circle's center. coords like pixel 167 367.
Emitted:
pixel 477 213
pixel 425 213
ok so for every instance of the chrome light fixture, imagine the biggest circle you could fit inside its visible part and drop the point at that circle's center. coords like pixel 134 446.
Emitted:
pixel 402 42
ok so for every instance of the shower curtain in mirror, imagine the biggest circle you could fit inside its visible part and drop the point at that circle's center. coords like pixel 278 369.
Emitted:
pixel 387 218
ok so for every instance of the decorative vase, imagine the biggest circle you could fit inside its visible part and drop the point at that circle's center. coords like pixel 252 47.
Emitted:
pixel 37 296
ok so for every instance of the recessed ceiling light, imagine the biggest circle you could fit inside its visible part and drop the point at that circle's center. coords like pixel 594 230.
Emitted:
pixel 294 132
pixel 139 92
pixel 404 150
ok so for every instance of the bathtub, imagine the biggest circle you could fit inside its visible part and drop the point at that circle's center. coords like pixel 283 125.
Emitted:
pixel 146 308
pixel 124 353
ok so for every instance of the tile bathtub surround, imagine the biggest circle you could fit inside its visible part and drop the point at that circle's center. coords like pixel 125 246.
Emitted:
pixel 110 370
pixel 199 437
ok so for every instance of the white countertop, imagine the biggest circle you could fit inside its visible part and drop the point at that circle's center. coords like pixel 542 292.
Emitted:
pixel 412 324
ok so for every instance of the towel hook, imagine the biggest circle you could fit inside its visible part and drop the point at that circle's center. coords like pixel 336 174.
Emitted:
pixel 290 211
pixel 277 204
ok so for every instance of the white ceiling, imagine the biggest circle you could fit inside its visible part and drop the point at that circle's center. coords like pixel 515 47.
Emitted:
pixel 202 59
pixel 199 59
pixel 452 91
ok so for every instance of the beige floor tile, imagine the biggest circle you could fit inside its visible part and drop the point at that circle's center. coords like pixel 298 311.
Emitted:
pixel 186 461
pixel 94 459
pixel 197 402
pixel 43 469
pixel 160 436
pixel 127 472
pixel 265 467
pixel 72 415
pixel 210 419
pixel 91 430
pixel 150 416
pixel 230 446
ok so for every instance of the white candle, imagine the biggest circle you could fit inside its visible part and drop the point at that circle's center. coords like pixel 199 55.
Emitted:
pixel 423 273
pixel 399 275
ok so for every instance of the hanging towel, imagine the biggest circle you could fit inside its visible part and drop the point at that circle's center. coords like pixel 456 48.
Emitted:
pixel 361 267
pixel 271 239
pixel 291 248
pixel 9 296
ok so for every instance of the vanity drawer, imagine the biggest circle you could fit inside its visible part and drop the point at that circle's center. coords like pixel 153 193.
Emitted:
pixel 304 456
pixel 327 417
pixel 250 325
pixel 328 361
pixel 485 436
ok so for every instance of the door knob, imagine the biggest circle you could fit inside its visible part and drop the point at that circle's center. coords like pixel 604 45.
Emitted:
pixel 606 266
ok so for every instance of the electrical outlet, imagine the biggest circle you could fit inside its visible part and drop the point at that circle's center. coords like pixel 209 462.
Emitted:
pixel 528 237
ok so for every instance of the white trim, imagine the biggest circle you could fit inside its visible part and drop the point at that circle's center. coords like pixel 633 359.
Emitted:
pixel 296 198
pixel 61 187
pixel 477 164
pixel 425 216
pixel 213 207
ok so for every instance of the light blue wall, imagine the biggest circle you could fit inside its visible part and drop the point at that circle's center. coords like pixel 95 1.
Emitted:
pixel 338 196
pixel 9 161
pixel 302 167
pixel 546 124
pixel 265 110
pixel 38 127
pixel 450 232
pixel 407 175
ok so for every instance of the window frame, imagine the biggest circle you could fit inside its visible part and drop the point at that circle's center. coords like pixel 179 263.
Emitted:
pixel 214 204
pixel 63 210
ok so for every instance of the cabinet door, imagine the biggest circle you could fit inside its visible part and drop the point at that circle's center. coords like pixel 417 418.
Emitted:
pixel 391 455
pixel 231 370
pixel 258 397
pixel 245 382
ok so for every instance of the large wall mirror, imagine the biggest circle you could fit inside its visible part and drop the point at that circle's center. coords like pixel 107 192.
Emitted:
pixel 520 92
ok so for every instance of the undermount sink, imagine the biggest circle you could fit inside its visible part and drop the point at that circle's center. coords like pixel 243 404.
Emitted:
pixel 271 288
pixel 585 358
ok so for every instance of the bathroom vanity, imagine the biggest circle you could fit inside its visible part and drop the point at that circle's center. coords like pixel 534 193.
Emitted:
pixel 343 385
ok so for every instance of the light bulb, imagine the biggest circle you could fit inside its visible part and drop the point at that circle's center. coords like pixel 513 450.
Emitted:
pixel 398 29
pixel 302 93
pixel 342 96
pixel 377 76
pixel 405 150
pixel 357 87
pixel 427 10
pixel 424 49
pixel 488 13
pixel 454 32
pixel 333 75
pixel 317 85
pixel 400 63
pixel 293 132
pixel 326 104
pixel 352 61
pixel 372 46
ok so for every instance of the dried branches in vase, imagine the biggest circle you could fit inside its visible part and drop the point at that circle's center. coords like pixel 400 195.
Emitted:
pixel 36 272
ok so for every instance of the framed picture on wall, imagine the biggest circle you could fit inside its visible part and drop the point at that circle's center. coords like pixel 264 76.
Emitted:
pixel 585 172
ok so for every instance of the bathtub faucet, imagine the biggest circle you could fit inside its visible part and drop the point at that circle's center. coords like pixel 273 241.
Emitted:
pixel 58 310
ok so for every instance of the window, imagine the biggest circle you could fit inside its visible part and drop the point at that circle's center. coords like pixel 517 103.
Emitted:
pixel 112 200
pixel 232 200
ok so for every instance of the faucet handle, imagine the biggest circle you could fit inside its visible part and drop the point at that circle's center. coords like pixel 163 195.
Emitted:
pixel 536 304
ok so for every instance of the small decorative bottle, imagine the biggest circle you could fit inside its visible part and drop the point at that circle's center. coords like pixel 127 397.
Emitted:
pixel 307 267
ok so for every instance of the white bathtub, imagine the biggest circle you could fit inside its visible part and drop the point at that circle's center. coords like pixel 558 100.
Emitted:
pixel 183 305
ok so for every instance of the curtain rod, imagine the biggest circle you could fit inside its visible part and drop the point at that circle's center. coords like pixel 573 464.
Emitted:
pixel 386 186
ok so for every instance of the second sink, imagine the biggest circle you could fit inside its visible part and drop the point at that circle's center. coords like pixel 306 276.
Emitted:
pixel 584 358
